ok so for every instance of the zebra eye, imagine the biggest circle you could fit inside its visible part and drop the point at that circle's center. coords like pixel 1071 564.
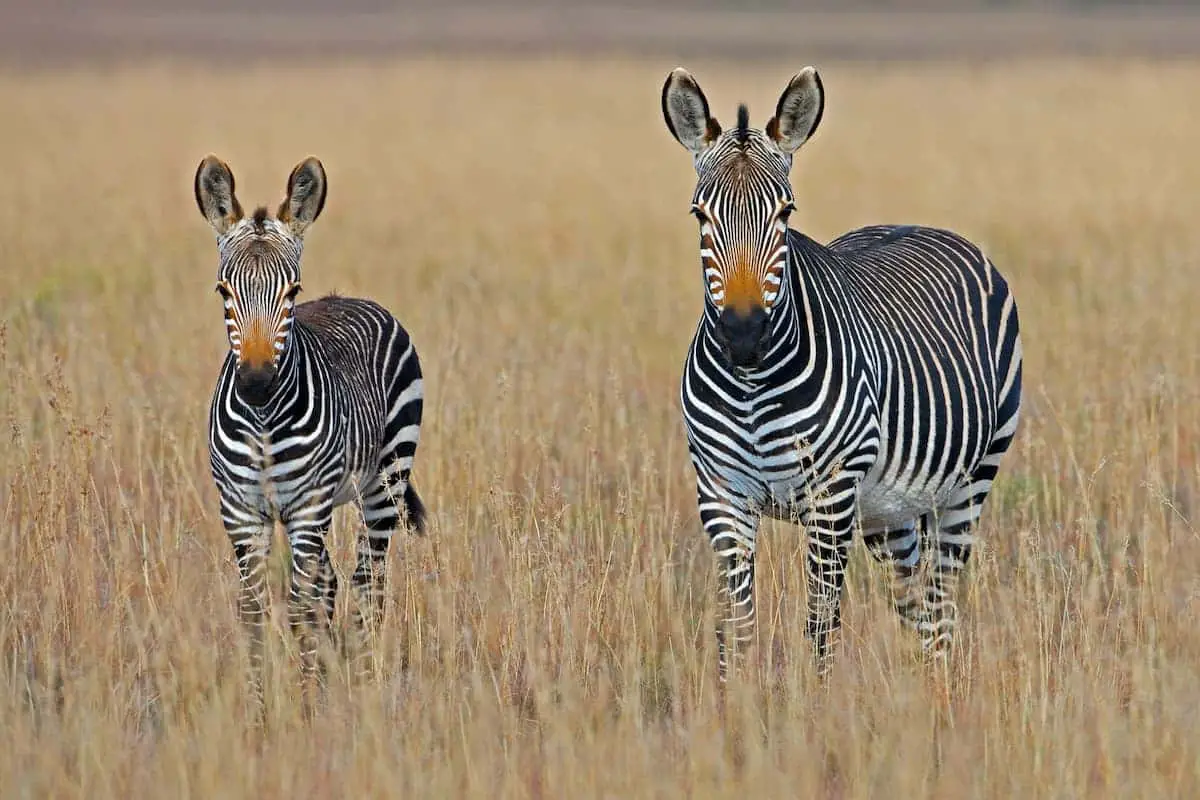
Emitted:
pixel 787 210
pixel 699 214
pixel 293 290
pixel 223 290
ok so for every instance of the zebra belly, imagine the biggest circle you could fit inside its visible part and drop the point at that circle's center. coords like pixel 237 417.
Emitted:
pixel 891 505
pixel 888 497
pixel 880 504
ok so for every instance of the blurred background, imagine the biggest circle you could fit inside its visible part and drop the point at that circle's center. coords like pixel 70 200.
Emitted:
pixel 54 30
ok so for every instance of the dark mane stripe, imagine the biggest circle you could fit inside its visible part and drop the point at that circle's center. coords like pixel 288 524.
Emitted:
pixel 742 131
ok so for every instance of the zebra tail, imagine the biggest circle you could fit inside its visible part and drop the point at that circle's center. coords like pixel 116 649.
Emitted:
pixel 415 509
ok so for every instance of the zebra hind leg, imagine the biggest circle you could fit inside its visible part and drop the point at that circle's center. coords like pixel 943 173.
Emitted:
pixel 388 504
pixel 954 537
pixel 901 548
pixel 311 597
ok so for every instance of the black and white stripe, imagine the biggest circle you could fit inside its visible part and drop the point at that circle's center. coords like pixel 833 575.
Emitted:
pixel 870 383
pixel 317 405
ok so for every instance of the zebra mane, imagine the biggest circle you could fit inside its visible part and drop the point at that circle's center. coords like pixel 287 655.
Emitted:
pixel 742 131
pixel 260 218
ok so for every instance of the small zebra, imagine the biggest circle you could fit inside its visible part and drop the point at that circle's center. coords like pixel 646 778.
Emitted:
pixel 317 404
pixel 873 383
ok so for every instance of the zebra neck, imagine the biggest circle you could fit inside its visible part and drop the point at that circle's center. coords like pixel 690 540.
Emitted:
pixel 787 351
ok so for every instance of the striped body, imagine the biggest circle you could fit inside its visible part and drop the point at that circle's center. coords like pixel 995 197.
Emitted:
pixel 348 411
pixel 893 351
pixel 872 384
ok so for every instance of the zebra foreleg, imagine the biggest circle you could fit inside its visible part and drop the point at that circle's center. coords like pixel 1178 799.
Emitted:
pixel 250 535
pixel 736 596
pixel 900 548
pixel 311 596
pixel 731 529
pixel 829 524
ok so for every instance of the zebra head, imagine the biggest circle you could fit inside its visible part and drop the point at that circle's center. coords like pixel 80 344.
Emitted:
pixel 742 200
pixel 259 275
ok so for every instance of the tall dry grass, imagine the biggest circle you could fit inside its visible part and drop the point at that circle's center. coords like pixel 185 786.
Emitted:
pixel 528 223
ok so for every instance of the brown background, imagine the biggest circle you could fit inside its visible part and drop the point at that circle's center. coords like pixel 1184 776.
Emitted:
pixel 55 32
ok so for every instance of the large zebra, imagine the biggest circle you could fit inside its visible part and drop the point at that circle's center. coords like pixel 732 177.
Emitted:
pixel 871 382
pixel 316 405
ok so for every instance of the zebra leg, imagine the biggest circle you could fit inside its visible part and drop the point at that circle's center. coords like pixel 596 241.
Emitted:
pixel 250 534
pixel 388 504
pixel 954 538
pixel 311 595
pixel 901 548
pixel 829 523
pixel 731 528
pixel 369 582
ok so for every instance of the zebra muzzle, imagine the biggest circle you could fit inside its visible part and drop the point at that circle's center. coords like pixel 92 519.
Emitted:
pixel 254 383
pixel 743 335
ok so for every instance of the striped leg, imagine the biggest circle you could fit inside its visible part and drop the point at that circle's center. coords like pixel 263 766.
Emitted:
pixel 731 528
pixel 369 582
pixel 312 593
pixel 901 548
pixel 829 524
pixel 389 503
pixel 250 534
pixel 953 549
pixel 956 525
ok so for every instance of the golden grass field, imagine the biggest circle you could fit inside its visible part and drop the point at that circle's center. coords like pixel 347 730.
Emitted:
pixel 528 223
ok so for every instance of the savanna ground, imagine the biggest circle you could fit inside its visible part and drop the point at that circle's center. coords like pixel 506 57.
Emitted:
pixel 551 636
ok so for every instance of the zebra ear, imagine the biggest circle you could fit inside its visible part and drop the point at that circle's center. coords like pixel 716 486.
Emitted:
pixel 798 112
pixel 686 111
pixel 214 194
pixel 305 196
